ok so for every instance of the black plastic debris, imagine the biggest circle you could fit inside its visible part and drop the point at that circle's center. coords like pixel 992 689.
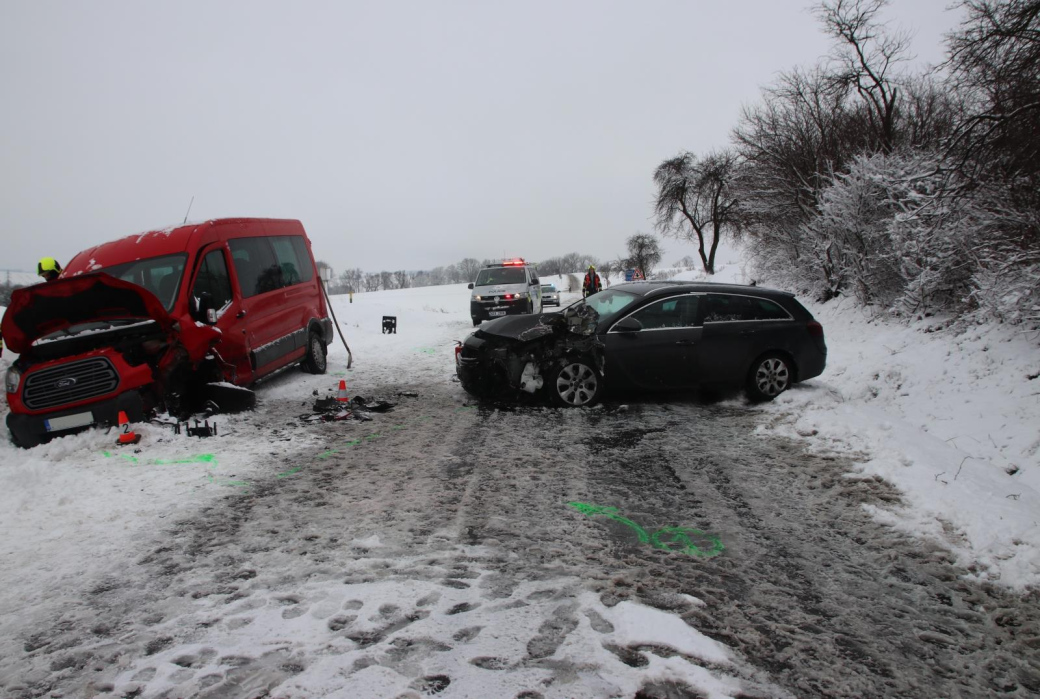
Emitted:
pixel 357 408
pixel 200 431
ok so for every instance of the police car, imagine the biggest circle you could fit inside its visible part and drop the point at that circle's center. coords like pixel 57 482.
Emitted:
pixel 509 287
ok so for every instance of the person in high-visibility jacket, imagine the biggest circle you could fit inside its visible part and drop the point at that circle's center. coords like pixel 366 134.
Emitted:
pixel 591 284
pixel 48 268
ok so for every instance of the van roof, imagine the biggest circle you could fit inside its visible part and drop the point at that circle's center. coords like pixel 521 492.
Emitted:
pixel 171 240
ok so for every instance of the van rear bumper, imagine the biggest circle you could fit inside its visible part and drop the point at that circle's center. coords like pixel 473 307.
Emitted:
pixel 29 430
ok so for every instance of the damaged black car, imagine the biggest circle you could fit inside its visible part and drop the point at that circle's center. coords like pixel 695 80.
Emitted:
pixel 648 336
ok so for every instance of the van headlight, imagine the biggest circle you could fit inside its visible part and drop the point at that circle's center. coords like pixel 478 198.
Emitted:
pixel 12 379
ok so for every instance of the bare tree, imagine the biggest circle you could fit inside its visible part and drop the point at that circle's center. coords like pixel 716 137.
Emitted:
pixel 372 282
pixel 469 268
pixel 694 198
pixel 401 279
pixel 865 58
pixel 644 252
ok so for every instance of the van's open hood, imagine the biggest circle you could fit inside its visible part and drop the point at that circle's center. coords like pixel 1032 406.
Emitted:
pixel 45 308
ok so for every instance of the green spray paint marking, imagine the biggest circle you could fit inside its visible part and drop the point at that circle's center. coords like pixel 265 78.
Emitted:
pixel 327 453
pixel 197 459
pixel 427 350
pixel 681 539
pixel 289 472
pixel 611 512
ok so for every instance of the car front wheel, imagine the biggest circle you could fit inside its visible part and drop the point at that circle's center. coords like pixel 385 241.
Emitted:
pixel 575 383
pixel 316 361
pixel 770 376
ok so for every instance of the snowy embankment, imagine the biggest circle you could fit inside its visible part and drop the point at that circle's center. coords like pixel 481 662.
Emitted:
pixel 948 415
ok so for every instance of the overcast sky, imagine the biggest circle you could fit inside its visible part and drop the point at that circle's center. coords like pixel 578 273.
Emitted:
pixel 405 135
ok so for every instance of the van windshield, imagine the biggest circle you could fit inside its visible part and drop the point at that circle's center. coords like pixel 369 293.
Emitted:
pixel 501 275
pixel 160 275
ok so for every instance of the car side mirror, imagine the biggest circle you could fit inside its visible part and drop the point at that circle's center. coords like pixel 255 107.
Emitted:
pixel 534 280
pixel 470 285
pixel 206 308
pixel 326 274
pixel 628 325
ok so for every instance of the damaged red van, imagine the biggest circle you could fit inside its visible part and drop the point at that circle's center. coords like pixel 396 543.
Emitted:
pixel 147 321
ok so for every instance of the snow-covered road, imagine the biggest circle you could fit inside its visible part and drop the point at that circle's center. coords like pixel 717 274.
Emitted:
pixel 647 548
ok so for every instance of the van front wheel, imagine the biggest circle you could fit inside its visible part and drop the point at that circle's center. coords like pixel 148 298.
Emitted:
pixel 315 361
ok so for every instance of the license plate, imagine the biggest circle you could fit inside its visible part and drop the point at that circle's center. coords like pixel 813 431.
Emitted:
pixel 496 313
pixel 68 422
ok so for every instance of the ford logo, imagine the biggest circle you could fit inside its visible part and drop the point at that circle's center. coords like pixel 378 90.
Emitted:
pixel 65 383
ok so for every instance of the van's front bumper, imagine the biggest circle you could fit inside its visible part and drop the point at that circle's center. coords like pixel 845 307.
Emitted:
pixel 29 429
pixel 485 310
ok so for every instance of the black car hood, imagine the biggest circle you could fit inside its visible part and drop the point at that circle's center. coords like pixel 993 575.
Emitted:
pixel 524 327
pixel 45 308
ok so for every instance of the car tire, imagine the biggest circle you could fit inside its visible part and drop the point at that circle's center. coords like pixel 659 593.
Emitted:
pixel 575 383
pixel 530 306
pixel 769 376
pixel 316 359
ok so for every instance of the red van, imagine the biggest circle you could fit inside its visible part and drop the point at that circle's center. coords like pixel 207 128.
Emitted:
pixel 142 322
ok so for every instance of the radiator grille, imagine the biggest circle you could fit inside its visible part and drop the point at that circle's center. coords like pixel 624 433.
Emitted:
pixel 69 383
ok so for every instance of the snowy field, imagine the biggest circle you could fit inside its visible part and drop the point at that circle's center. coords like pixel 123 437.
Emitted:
pixel 949 417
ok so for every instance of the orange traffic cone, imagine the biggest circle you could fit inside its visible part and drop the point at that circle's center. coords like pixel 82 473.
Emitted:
pixel 342 395
pixel 126 433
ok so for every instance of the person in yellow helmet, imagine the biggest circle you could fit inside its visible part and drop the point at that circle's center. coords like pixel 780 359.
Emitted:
pixel 48 268
pixel 591 284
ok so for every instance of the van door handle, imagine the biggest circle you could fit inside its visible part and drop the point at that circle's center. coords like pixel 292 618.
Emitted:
pixel 686 343
pixel 240 314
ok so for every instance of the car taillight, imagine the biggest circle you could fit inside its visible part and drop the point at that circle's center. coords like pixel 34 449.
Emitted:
pixel 816 333
pixel 458 352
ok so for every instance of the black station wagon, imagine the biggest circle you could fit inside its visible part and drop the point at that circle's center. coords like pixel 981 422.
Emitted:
pixel 648 336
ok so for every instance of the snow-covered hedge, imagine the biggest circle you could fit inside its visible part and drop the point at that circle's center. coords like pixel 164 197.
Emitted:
pixel 902 233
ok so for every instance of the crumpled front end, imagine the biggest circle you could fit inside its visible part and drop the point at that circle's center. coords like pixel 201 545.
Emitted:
pixel 516 355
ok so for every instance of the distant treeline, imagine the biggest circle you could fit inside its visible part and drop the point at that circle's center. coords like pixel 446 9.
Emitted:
pixel 357 280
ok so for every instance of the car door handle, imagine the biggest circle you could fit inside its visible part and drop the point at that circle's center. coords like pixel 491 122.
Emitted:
pixel 240 314
pixel 686 343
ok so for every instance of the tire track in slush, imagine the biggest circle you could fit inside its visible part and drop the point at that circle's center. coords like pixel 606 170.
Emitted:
pixel 810 592
pixel 810 587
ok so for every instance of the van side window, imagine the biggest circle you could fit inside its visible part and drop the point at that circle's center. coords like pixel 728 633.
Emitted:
pixel 303 256
pixel 213 278
pixel 295 269
pixel 258 270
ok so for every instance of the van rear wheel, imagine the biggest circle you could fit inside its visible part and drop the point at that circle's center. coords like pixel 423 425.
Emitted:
pixel 316 359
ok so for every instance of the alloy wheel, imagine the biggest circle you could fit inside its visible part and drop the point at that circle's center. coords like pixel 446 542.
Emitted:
pixel 772 377
pixel 576 384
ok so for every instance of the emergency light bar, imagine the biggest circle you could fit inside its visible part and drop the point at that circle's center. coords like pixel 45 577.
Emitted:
pixel 515 262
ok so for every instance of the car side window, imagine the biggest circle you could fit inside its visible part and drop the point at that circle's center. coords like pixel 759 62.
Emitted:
pixel 676 312
pixel 213 279
pixel 764 309
pixel 255 264
pixel 724 308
